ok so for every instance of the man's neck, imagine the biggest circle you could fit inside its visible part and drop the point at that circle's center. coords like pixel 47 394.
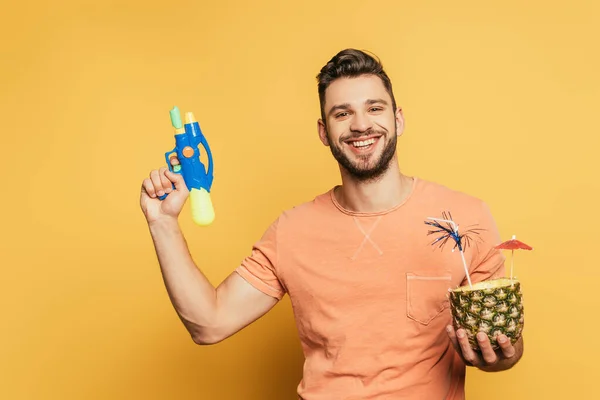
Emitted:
pixel 382 194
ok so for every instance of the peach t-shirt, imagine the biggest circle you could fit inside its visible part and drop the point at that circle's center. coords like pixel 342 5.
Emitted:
pixel 369 291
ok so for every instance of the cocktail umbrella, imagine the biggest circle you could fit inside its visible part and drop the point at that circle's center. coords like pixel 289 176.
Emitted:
pixel 512 245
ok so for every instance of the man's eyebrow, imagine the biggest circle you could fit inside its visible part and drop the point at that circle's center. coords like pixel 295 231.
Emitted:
pixel 337 107
pixel 375 101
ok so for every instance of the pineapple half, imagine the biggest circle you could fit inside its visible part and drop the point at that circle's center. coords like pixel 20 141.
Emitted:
pixel 493 307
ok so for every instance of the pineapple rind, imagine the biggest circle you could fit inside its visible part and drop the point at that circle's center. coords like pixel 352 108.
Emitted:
pixel 494 307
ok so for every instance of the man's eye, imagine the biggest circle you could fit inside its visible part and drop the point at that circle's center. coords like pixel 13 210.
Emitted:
pixel 342 114
pixel 376 108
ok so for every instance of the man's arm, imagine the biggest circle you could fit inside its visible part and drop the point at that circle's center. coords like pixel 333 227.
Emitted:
pixel 209 314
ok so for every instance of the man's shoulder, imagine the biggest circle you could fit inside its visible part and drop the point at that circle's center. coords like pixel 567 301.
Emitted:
pixel 437 193
pixel 319 208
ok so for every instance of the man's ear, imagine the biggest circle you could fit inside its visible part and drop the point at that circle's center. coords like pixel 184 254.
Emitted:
pixel 399 122
pixel 322 132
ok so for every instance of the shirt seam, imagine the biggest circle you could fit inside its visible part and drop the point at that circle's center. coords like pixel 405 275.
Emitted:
pixel 268 289
pixel 373 214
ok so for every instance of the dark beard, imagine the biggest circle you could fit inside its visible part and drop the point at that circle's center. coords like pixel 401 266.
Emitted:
pixel 357 170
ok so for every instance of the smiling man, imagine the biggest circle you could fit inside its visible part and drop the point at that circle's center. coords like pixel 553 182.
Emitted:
pixel 369 291
pixel 369 131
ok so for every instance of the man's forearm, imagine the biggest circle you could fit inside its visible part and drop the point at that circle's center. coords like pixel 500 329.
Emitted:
pixel 191 293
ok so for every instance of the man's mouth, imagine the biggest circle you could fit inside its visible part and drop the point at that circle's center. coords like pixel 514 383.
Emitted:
pixel 363 144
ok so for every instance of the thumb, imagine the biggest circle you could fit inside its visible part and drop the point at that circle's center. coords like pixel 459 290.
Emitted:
pixel 177 179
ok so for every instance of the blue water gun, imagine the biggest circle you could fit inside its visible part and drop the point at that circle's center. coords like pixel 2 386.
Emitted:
pixel 197 179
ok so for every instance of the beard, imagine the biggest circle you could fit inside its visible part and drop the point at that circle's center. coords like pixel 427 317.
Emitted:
pixel 364 169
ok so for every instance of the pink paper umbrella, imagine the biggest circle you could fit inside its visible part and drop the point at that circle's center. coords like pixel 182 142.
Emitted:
pixel 512 245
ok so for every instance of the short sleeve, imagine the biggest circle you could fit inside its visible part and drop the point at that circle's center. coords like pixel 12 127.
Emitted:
pixel 259 268
pixel 487 262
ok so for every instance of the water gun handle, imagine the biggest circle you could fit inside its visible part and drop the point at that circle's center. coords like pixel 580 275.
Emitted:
pixel 202 209
pixel 209 173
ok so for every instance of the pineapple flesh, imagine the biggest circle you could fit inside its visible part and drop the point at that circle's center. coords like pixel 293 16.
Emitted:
pixel 494 307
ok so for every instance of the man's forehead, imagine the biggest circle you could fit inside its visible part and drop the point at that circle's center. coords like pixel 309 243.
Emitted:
pixel 355 90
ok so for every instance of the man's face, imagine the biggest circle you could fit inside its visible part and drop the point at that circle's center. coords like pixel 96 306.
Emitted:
pixel 361 126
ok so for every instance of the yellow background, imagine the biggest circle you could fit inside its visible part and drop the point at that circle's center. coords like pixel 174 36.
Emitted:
pixel 501 101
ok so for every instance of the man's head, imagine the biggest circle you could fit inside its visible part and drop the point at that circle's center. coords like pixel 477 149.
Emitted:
pixel 359 118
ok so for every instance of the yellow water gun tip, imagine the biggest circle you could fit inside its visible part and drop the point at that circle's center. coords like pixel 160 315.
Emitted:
pixel 189 117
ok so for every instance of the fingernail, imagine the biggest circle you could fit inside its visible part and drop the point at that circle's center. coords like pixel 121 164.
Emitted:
pixel 460 334
pixel 501 339
pixel 160 192
pixel 448 329
pixel 481 336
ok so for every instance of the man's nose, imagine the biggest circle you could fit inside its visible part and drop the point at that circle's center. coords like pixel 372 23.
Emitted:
pixel 361 123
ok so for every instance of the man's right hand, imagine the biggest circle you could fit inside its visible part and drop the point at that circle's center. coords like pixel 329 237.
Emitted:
pixel 161 182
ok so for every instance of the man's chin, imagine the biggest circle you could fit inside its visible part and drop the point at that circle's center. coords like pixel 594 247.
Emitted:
pixel 364 174
pixel 367 167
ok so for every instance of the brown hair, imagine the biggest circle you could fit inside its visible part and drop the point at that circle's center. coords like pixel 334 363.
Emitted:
pixel 351 63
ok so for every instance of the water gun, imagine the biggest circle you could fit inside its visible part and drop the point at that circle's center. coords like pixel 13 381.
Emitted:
pixel 198 180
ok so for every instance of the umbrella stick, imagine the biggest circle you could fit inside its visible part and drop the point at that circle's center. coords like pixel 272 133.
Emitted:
pixel 512 263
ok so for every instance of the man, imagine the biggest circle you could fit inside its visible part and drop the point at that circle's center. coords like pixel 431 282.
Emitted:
pixel 369 291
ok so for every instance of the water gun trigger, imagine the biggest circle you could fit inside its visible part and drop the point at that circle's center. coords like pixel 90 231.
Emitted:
pixel 173 168
pixel 176 168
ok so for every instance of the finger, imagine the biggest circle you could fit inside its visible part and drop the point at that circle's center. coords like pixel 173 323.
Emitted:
pixel 148 187
pixel 174 160
pixel 452 335
pixel 155 178
pixel 454 341
pixel 177 179
pixel 487 352
pixel 508 350
pixel 166 183
pixel 467 351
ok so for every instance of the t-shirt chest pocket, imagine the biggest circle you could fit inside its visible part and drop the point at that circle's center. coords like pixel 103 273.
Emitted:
pixel 427 295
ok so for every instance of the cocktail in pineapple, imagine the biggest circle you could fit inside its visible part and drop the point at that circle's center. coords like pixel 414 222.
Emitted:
pixel 494 306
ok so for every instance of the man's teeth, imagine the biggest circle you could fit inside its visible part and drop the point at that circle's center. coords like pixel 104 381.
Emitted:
pixel 363 143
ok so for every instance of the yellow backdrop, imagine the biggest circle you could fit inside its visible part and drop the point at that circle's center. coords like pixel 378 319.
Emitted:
pixel 500 101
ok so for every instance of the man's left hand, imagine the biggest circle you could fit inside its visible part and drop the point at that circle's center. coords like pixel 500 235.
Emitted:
pixel 487 359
